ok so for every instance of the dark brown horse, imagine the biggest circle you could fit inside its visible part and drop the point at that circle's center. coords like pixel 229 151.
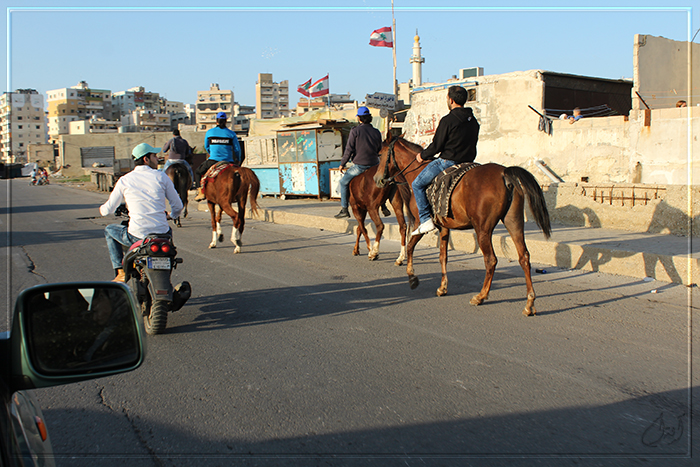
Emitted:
pixel 182 180
pixel 366 198
pixel 486 194
pixel 233 184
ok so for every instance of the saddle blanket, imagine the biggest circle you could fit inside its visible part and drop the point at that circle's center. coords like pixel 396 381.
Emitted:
pixel 215 170
pixel 440 189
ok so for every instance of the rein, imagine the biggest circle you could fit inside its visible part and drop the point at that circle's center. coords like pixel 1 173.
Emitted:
pixel 392 159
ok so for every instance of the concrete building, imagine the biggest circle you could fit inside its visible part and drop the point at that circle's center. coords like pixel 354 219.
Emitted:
pixel 22 122
pixel 94 125
pixel 337 101
pixel 271 98
pixel 78 102
pixel 141 120
pixel 211 102
pixel 136 98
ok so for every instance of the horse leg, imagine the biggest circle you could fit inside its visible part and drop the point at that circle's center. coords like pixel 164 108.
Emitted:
pixel 360 215
pixel 397 204
pixel 413 281
pixel 379 225
pixel 214 223
pixel 237 230
pixel 219 232
pixel 517 233
pixel 444 239
pixel 490 261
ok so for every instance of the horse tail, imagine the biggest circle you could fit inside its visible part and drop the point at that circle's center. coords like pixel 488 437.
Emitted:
pixel 525 183
pixel 250 186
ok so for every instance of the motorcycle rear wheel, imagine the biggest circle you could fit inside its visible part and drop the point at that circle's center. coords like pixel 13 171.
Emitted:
pixel 155 321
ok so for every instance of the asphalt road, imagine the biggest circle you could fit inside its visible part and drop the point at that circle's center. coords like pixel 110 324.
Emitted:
pixel 296 353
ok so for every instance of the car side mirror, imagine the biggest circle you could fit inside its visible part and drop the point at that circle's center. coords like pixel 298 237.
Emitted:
pixel 64 333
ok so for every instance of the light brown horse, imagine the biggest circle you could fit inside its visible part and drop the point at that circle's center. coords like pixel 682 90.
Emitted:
pixel 366 198
pixel 234 184
pixel 484 196
pixel 182 180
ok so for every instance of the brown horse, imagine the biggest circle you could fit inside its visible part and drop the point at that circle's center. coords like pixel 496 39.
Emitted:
pixel 484 196
pixel 366 198
pixel 232 185
pixel 182 180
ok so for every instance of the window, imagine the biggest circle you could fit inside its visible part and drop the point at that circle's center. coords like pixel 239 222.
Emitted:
pixel 19 127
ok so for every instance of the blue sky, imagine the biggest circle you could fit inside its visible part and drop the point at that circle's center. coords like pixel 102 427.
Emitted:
pixel 176 48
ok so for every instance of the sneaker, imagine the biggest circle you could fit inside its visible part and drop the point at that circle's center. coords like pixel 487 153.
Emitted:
pixel 385 211
pixel 424 228
pixel 342 214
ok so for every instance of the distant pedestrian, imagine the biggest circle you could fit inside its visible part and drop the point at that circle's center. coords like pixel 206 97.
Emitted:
pixel 178 151
pixel 221 144
pixel 576 117
pixel 362 148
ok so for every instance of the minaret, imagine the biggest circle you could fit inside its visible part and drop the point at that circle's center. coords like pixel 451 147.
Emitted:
pixel 417 60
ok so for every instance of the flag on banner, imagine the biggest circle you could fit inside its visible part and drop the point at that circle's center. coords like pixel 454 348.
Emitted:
pixel 320 87
pixel 381 38
pixel 304 88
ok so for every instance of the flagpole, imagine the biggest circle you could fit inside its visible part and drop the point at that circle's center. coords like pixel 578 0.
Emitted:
pixel 393 47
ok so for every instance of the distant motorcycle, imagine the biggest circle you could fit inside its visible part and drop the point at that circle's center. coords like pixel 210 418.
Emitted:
pixel 148 266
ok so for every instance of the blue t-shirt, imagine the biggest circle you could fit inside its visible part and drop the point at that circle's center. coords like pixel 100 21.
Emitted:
pixel 222 145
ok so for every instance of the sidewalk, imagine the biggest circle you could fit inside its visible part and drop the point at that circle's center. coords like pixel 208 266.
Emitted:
pixel 662 257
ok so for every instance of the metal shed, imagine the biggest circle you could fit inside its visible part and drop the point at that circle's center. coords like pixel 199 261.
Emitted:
pixel 307 152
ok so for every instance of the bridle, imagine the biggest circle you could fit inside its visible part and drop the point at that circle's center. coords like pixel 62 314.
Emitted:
pixel 391 159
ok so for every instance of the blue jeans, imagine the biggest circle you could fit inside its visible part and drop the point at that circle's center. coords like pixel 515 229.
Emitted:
pixel 421 183
pixel 169 162
pixel 344 183
pixel 117 236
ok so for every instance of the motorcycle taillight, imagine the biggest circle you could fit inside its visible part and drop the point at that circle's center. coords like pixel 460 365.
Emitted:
pixel 155 248
pixel 165 248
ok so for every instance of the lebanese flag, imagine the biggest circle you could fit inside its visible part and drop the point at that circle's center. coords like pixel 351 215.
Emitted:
pixel 320 87
pixel 304 88
pixel 381 38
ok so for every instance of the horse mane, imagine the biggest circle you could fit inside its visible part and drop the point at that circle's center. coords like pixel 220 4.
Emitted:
pixel 413 147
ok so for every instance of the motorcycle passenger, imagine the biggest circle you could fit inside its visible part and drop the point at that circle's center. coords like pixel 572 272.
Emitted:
pixel 144 190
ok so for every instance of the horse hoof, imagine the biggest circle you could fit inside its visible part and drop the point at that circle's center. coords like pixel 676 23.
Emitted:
pixel 373 258
pixel 476 301
pixel 441 292
pixel 356 253
pixel 398 263
pixel 531 312
pixel 221 238
pixel 236 251
pixel 212 245
pixel 413 282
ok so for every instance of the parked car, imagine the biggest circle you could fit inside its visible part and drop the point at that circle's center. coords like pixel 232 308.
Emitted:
pixel 60 334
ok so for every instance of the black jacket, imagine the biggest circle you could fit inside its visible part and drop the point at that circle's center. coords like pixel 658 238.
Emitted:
pixel 455 138
pixel 363 146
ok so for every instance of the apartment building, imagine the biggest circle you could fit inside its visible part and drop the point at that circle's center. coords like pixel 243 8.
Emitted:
pixel 22 122
pixel 136 98
pixel 78 102
pixel 211 102
pixel 271 99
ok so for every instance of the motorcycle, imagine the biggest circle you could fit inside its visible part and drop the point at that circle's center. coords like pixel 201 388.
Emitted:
pixel 148 265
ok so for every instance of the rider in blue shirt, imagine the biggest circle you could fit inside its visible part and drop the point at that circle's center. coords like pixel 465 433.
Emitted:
pixel 221 144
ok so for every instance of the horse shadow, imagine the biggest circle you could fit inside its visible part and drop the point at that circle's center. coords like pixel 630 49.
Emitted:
pixel 257 307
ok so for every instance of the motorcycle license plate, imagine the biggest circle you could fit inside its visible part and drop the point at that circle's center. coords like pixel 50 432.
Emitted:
pixel 158 263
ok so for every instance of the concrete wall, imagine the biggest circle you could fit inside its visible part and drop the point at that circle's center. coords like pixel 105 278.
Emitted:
pixel 661 69
pixel 649 162
pixel 123 143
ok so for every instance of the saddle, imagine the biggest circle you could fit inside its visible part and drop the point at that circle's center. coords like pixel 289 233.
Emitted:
pixel 440 189
pixel 215 170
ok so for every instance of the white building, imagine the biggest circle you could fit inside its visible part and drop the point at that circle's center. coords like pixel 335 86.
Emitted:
pixel 211 102
pixel 22 122
pixel 271 99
